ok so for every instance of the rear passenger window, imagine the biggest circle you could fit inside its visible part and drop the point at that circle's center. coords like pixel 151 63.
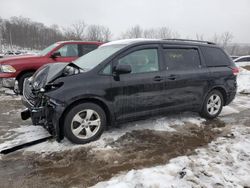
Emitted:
pixel 68 50
pixel 181 59
pixel 215 57
pixel 86 48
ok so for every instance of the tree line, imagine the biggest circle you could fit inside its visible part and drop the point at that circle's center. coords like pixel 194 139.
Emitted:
pixel 25 33
pixel 22 32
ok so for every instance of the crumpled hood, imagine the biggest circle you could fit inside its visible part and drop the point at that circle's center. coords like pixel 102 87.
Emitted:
pixel 46 74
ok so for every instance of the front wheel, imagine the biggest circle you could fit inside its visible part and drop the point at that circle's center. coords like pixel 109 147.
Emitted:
pixel 212 105
pixel 84 123
pixel 19 90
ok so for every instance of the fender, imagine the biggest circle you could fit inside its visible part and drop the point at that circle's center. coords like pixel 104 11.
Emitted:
pixel 58 118
pixel 221 88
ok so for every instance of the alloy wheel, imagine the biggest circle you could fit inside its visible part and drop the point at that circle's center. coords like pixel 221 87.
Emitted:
pixel 214 104
pixel 85 124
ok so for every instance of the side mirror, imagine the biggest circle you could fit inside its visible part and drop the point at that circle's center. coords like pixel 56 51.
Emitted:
pixel 55 55
pixel 122 69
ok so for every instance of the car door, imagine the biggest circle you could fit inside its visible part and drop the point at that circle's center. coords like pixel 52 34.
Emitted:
pixel 139 92
pixel 186 77
pixel 68 53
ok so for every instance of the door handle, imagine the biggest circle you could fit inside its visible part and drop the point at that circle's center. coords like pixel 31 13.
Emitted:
pixel 158 78
pixel 172 77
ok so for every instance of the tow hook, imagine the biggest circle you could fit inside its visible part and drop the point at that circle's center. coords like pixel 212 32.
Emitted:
pixel 25 114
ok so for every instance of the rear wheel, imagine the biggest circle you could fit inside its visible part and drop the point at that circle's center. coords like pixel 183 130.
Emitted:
pixel 212 105
pixel 84 123
pixel 21 81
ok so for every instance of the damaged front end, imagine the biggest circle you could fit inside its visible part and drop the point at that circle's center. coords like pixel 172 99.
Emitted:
pixel 41 108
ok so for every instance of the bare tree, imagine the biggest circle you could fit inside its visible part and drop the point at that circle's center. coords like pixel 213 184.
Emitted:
pixel 98 33
pixel 24 33
pixel 223 40
pixel 75 31
pixel 79 28
pixel 134 32
pixel 199 37
pixel 234 49
pixel 164 33
pixel 106 34
pixel 216 39
pixel 160 33
pixel 1 33
pixel 226 38
pixel 150 33
pixel 175 35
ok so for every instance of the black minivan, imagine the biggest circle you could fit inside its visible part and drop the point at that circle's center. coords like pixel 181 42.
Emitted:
pixel 127 80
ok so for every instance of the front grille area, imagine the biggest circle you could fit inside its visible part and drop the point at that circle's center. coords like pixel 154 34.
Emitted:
pixel 27 92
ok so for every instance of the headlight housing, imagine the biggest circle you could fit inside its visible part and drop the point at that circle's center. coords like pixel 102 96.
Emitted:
pixel 70 70
pixel 8 69
pixel 39 79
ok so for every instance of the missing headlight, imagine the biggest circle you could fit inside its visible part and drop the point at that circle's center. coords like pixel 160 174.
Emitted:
pixel 52 86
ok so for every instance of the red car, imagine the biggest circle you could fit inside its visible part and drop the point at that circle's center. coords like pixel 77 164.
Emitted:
pixel 14 70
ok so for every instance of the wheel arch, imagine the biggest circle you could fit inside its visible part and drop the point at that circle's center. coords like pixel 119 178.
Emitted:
pixel 24 72
pixel 219 88
pixel 94 100
pixel 222 90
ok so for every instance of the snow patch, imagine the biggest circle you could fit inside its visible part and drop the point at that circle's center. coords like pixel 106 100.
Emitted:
pixel 22 135
pixel 243 81
pixel 242 64
pixel 225 163
pixel 160 124
pixel 228 110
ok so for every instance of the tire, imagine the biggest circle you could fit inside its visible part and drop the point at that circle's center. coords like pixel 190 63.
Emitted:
pixel 21 81
pixel 212 105
pixel 78 120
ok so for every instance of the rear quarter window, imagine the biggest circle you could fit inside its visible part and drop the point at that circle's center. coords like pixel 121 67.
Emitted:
pixel 215 57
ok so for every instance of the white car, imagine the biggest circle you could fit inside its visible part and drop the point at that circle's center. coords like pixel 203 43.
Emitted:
pixel 243 60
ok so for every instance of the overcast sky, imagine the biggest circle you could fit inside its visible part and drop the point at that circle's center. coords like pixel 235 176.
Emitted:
pixel 187 17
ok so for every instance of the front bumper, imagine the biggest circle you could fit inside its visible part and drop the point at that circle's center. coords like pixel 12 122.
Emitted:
pixel 8 82
pixel 40 115
pixel 47 116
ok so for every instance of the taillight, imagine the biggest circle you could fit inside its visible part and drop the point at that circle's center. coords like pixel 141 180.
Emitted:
pixel 235 70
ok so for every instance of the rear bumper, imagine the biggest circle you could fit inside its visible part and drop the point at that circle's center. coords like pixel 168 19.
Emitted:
pixel 230 97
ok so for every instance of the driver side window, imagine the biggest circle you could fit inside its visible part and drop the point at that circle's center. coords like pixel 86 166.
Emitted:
pixel 68 50
pixel 141 61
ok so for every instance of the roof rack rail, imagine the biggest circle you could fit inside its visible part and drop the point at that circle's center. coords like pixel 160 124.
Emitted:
pixel 188 40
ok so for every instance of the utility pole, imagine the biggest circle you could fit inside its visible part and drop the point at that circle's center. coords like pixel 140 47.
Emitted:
pixel 11 41
pixel 1 50
pixel 1 39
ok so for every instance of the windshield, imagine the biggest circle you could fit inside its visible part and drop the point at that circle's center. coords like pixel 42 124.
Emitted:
pixel 48 49
pixel 95 57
